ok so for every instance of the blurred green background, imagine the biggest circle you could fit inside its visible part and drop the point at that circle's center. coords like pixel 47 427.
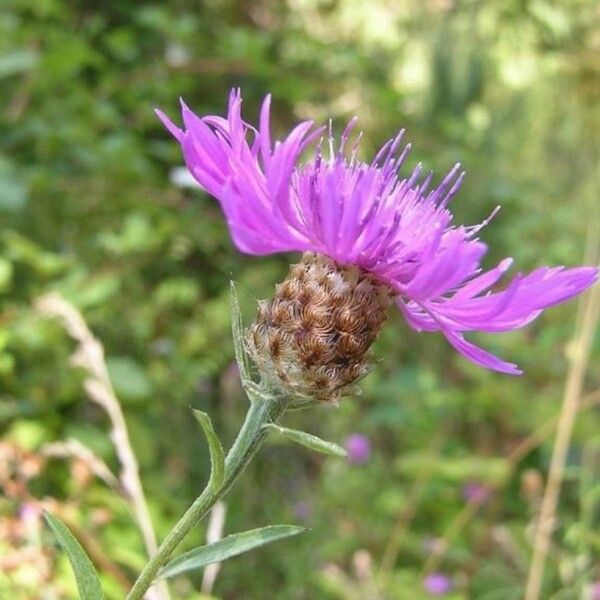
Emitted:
pixel 509 88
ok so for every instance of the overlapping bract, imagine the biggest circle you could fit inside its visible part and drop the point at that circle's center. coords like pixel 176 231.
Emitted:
pixel 364 214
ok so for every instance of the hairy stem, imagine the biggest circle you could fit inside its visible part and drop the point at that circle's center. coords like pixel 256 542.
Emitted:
pixel 248 441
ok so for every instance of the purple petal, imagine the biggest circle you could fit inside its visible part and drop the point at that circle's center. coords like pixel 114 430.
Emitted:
pixel 173 129
pixel 480 356
pixel 398 229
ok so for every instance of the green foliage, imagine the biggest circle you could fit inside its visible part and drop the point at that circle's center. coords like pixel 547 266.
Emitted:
pixel 310 441
pixel 88 208
pixel 228 547
pixel 85 574
pixel 237 333
pixel 217 457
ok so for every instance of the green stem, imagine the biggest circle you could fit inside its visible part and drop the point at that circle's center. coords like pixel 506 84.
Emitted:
pixel 248 441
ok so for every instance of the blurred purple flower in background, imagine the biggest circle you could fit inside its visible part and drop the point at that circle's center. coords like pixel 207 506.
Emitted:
pixel 399 230
pixel 437 584
pixel 358 448
pixel 29 512
pixel 595 591
pixel 476 493
pixel 302 510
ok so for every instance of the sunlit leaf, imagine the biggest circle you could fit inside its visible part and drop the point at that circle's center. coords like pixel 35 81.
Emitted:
pixel 228 547
pixel 129 379
pixel 17 61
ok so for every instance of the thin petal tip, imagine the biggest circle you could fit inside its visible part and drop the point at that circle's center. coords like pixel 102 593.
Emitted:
pixel 175 131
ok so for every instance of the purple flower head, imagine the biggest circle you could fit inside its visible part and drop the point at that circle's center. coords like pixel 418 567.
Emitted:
pixel 302 510
pixel 476 493
pixel 365 214
pixel 595 591
pixel 437 584
pixel 358 448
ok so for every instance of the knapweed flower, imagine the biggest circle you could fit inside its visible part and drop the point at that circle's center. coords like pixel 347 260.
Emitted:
pixel 369 237
pixel 358 448
pixel 437 584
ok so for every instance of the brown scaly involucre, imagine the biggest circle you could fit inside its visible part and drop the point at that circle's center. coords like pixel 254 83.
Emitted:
pixel 312 337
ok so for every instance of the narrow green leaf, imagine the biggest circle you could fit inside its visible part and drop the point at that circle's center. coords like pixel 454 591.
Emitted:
pixel 237 330
pixel 88 583
pixel 232 545
pixel 217 456
pixel 310 441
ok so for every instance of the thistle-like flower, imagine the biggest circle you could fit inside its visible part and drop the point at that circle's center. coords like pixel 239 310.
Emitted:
pixel 369 238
